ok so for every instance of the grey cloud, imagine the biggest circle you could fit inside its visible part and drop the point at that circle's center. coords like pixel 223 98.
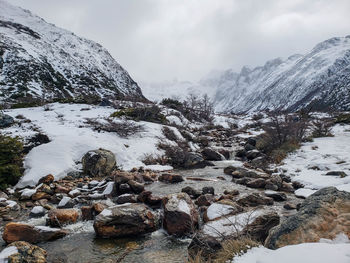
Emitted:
pixel 158 40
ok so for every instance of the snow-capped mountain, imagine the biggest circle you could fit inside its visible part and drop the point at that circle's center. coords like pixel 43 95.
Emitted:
pixel 38 59
pixel 321 77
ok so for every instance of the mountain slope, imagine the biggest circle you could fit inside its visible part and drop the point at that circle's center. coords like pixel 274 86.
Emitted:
pixel 321 77
pixel 38 59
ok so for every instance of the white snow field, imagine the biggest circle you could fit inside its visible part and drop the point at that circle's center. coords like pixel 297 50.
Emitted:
pixel 71 138
pixel 313 160
pixel 326 252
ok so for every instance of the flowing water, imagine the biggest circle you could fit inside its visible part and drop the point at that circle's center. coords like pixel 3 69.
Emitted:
pixel 82 246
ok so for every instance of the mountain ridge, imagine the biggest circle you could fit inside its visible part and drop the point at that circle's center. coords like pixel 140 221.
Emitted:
pixel 38 59
pixel 316 78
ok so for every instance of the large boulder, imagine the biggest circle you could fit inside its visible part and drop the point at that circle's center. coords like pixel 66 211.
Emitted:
pixel 125 220
pixel 21 251
pixel 211 155
pixel 99 162
pixel 324 214
pixel 180 214
pixel 194 160
pixel 59 217
pixel 6 120
pixel 255 199
pixel 33 234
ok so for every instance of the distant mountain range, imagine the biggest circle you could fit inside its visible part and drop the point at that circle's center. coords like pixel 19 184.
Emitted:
pixel 39 60
pixel 320 78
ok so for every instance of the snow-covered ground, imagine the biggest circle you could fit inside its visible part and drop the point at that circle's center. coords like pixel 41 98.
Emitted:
pixel 337 251
pixel 313 160
pixel 71 138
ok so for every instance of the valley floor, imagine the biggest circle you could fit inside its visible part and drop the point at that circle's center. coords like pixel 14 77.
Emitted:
pixel 71 137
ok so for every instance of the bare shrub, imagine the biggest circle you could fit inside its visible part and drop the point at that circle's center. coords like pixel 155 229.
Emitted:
pixel 322 128
pixel 123 128
pixel 283 134
pixel 169 134
pixel 234 248
pixel 150 114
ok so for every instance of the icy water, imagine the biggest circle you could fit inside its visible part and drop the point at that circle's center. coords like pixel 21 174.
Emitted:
pixel 82 246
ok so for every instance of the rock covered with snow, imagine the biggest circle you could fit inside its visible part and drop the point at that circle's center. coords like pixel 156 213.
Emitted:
pixel 37 211
pixel 125 220
pixel 59 64
pixel 180 214
pixel 324 214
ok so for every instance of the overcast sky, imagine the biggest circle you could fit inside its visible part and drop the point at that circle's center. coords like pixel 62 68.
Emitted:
pixel 158 40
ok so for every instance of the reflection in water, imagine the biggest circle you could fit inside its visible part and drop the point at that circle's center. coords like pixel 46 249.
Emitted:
pixel 86 248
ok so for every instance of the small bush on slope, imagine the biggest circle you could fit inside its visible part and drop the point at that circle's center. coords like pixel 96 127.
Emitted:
pixel 282 135
pixel 11 161
pixel 343 118
pixel 123 129
pixel 321 128
pixel 150 114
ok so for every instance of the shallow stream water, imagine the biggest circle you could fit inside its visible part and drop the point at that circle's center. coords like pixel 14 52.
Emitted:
pixel 81 246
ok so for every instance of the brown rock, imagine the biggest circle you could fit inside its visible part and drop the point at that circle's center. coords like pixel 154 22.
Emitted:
pixel 122 177
pixel 232 192
pixel 61 189
pixel 48 179
pixel 40 195
pixel 205 200
pixel 286 187
pixel 255 199
pixel 257 183
pixel 125 220
pixel 24 232
pixel 59 217
pixel 87 213
pixel 136 187
pixel 98 208
pixel 180 214
pixel 170 178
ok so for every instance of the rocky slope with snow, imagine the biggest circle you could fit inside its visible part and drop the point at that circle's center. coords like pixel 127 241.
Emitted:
pixel 320 77
pixel 40 60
